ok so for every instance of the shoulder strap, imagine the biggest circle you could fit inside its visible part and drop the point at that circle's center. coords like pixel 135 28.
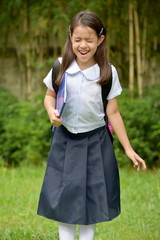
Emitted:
pixel 106 89
pixel 55 71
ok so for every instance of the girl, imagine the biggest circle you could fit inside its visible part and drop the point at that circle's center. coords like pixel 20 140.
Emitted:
pixel 81 183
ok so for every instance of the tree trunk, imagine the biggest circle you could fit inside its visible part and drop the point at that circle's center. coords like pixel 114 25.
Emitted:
pixel 131 52
pixel 109 27
pixel 144 37
pixel 153 64
pixel 138 55
pixel 28 50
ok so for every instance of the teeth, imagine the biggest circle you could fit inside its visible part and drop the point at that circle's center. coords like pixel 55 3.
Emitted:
pixel 83 53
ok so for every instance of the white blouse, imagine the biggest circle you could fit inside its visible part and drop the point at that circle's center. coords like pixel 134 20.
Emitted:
pixel 84 108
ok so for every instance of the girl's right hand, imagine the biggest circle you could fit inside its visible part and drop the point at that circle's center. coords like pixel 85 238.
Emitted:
pixel 55 119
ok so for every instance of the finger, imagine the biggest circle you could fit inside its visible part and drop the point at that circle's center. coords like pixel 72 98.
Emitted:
pixel 53 122
pixel 141 164
pixel 135 162
pixel 144 167
pixel 56 124
pixel 56 121
pixel 56 113
pixel 138 167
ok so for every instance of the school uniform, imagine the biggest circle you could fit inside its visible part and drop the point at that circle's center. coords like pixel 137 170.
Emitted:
pixel 81 183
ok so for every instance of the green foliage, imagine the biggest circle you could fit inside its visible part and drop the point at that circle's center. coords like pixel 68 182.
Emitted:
pixel 24 129
pixel 43 27
pixel 142 121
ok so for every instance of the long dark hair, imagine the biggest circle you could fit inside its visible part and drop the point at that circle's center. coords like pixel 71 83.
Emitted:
pixel 89 19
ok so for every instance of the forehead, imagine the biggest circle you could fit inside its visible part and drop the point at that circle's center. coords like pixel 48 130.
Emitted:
pixel 84 31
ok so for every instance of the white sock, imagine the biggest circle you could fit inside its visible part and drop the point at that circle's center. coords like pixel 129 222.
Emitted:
pixel 86 232
pixel 66 231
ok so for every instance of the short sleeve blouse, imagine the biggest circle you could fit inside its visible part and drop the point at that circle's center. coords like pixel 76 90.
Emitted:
pixel 84 108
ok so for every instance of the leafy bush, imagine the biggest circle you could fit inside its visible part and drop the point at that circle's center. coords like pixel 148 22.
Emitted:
pixel 142 121
pixel 25 129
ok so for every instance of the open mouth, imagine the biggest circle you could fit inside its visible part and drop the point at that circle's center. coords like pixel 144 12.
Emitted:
pixel 84 52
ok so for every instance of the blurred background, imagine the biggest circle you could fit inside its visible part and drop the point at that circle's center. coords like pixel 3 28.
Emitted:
pixel 33 33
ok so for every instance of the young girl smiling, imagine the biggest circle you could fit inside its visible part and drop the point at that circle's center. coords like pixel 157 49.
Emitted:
pixel 81 183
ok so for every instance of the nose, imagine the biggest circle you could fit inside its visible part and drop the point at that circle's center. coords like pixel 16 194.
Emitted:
pixel 83 44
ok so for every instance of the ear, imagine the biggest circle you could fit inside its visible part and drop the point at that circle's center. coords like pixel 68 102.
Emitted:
pixel 101 39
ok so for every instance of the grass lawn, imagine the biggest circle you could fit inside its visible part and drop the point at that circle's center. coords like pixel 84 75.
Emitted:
pixel 19 193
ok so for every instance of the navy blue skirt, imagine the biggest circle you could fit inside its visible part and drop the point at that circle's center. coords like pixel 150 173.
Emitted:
pixel 81 183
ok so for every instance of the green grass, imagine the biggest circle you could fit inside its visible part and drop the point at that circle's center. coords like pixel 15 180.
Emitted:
pixel 19 193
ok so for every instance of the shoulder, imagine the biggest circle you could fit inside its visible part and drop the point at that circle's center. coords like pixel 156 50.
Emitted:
pixel 57 64
pixel 59 59
pixel 116 88
pixel 114 71
pixel 115 77
pixel 48 80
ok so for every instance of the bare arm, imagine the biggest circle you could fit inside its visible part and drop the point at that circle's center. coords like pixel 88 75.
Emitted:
pixel 117 124
pixel 49 103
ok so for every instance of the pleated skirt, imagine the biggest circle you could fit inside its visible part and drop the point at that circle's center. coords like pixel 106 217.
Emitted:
pixel 81 182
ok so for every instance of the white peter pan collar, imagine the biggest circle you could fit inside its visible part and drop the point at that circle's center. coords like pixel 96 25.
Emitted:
pixel 92 73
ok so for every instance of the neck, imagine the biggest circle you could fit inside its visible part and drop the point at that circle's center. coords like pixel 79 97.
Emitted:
pixel 84 65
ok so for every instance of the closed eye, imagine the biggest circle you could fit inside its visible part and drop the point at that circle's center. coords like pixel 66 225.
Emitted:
pixel 77 39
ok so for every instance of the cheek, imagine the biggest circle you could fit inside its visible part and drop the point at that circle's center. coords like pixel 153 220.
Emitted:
pixel 74 46
pixel 94 48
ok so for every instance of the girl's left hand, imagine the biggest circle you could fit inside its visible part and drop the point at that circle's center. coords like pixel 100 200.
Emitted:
pixel 136 159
